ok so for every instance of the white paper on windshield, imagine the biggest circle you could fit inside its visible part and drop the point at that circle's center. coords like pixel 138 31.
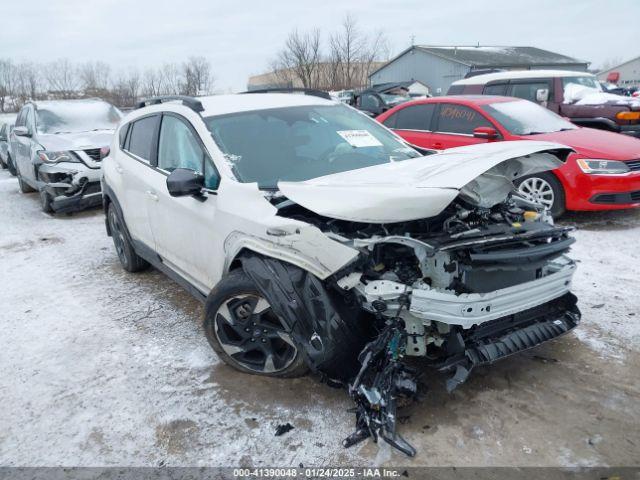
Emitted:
pixel 359 138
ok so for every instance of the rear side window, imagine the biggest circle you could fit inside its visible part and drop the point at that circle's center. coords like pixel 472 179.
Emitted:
pixel 456 90
pixel 415 117
pixel 527 90
pixel 495 89
pixel 141 136
pixel 459 119
pixel 123 134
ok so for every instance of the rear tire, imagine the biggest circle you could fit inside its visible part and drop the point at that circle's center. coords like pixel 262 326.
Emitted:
pixel 2 164
pixel 246 334
pixel 544 188
pixel 129 259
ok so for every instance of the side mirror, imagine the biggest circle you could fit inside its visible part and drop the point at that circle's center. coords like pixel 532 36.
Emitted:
pixel 542 95
pixel 488 133
pixel 21 131
pixel 183 181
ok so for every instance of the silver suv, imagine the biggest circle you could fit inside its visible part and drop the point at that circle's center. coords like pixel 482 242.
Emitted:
pixel 57 148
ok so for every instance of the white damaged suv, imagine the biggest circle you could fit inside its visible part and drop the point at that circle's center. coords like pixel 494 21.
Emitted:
pixel 320 240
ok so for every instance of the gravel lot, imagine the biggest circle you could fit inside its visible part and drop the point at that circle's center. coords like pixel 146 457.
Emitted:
pixel 101 367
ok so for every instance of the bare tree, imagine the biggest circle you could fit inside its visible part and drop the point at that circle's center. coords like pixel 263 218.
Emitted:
pixel 301 54
pixel 170 79
pixel 352 55
pixel 6 83
pixel 197 76
pixel 63 78
pixel 94 76
pixel 126 89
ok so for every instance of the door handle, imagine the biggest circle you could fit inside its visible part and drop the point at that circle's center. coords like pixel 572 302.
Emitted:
pixel 153 195
pixel 118 168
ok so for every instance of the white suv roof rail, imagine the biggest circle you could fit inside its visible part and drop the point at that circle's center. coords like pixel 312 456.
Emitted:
pixel 191 102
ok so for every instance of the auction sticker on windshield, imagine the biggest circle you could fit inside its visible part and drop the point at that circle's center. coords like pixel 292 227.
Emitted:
pixel 359 138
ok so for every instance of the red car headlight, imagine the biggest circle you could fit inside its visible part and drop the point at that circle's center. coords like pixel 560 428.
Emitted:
pixel 602 167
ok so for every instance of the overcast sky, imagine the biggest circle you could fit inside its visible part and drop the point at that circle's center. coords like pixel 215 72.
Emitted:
pixel 241 37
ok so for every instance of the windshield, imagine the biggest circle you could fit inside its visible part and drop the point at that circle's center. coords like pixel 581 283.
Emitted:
pixel 300 143
pixel 522 117
pixel 76 116
pixel 590 82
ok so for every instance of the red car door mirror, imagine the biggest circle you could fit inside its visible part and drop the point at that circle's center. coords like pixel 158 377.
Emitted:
pixel 488 133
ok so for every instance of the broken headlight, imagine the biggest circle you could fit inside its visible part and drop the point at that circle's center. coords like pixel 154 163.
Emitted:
pixel 57 157
pixel 603 167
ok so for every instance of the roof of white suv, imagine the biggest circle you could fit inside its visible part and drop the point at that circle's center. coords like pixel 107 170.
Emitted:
pixel 224 104
pixel 515 74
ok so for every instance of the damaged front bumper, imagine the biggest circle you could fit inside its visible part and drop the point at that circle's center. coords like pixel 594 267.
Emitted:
pixel 502 337
pixel 471 309
pixel 71 186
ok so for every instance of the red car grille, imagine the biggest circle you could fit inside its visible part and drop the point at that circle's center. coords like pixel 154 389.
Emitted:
pixel 634 165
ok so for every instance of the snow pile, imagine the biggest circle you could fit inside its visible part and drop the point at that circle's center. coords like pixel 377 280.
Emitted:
pixel 583 95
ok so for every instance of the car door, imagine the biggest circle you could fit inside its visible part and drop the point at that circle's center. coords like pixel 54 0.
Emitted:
pixel 133 167
pixel 413 123
pixel 22 145
pixel 184 227
pixel 454 125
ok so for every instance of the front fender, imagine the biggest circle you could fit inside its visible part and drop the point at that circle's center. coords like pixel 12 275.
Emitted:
pixel 305 247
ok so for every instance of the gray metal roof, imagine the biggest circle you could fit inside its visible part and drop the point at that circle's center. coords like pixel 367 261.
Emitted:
pixel 497 56
pixel 492 56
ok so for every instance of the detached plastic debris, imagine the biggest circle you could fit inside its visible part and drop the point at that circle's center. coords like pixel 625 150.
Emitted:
pixel 282 429
pixel 381 381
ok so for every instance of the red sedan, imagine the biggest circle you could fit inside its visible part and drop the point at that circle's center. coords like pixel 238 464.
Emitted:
pixel 603 174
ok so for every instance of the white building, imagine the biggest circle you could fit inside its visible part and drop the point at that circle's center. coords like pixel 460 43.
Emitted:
pixel 626 74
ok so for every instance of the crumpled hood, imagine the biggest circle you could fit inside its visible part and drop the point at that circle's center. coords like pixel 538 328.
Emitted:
pixel 423 187
pixel 75 141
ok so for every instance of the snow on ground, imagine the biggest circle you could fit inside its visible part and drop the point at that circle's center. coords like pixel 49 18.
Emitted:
pixel 607 282
pixel 103 367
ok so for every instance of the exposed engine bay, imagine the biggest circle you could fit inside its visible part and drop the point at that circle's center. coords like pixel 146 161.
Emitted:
pixel 465 288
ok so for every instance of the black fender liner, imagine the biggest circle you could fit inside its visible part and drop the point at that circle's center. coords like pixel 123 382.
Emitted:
pixel 326 328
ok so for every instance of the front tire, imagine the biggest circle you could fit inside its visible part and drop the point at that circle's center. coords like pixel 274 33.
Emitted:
pixel 246 334
pixel 45 202
pixel 24 186
pixel 128 257
pixel 546 189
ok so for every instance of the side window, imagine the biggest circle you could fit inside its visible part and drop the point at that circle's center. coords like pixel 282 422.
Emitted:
pixel 141 136
pixel 459 119
pixel 495 89
pixel 123 134
pixel 527 90
pixel 415 117
pixel 178 146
